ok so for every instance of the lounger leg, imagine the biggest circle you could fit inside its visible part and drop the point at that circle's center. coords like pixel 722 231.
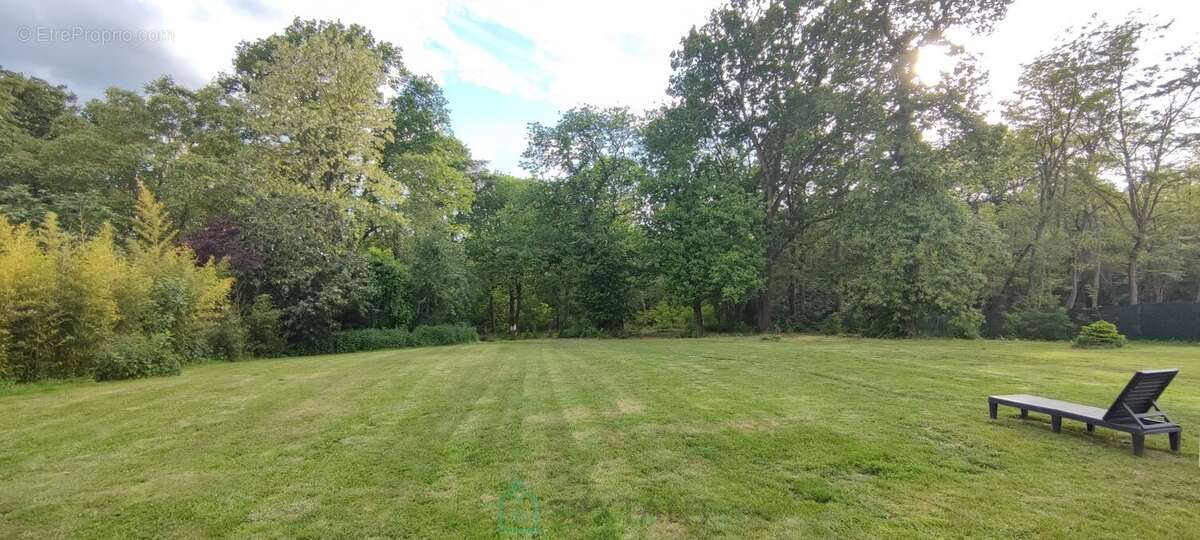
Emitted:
pixel 1056 423
pixel 1091 428
pixel 1175 436
pixel 1024 413
pixel 1139 444
pixel 992 406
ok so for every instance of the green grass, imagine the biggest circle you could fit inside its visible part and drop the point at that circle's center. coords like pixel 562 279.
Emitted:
pixel 737 437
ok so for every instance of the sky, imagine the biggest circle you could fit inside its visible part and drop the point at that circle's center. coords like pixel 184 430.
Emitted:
pixel 501 63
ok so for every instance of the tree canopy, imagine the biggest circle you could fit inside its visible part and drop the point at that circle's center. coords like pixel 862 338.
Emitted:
pixel 797 172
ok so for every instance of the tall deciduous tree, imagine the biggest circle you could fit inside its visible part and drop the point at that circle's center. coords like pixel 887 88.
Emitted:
pixel 775 81
pixel 1061 110
pixel 314 99
pixel 702 224
pixel 916 239
pixel 1154 129
pixel 590 160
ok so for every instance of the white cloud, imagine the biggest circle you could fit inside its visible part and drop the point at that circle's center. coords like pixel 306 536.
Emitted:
pixel 1034 26
pixel 604 53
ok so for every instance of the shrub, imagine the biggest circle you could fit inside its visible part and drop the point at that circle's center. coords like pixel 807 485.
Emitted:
pixel 373 339
pixel 134 357
pixel 185 298
pixel 264 333
pixel 1100 334
pixel 664 316
pixel 1053 325
pixel 832 325
pixel 365 339
pixel 443 334
pixel 227 340
pixel 965 325
pixel 581 331
pixel 57 299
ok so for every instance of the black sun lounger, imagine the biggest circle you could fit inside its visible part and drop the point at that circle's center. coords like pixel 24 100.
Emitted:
pixel 1131 412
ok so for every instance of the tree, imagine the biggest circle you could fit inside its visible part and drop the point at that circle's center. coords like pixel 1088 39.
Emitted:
pixel 315 106
pixel 1155 125
pixel 701 228
pixel 589 159
pixel 503 244
pixel 299 248
pixel 1061 112
pixel 915 241
pixel 774 82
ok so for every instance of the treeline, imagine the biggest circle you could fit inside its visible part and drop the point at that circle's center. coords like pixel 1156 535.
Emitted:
pixel 798 176
pixel 311 203
pixel 801 177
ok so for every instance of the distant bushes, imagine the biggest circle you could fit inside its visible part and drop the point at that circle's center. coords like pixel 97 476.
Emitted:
pixel 1047 325
pixel 965 324
pixel 69 302
pixel 135 357
pixel 832 325
pixel 662 317
pixel 580 331
pixel 443 334
pixel 264 331
pixel 1099 335
pixel 371 339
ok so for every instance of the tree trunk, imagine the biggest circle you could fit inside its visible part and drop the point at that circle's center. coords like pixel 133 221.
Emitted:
pixel 558 311
pixel 1031 278
pixel 1133 272
pixel 800 299
pixel 512 309
pixel 516 320
pixel 764 308
pixel 1096 284
pixel 792 300
pixel 492 311
pixel 1071 298
pixel 698 316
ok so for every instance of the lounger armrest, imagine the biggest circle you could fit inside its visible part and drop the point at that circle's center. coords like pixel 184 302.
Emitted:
pixel 1153 414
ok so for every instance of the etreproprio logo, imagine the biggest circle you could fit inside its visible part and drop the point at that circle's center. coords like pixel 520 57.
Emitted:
pixel 519 512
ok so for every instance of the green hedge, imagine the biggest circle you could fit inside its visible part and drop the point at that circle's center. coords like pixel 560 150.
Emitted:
pixel 372 339
pixel 134 357
pixel 1049 325
pixel 1098 335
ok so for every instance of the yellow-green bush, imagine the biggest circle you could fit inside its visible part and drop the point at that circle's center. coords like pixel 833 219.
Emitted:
pixel 65 298
pixel 168 291
pixel 27 279
pixel 57 295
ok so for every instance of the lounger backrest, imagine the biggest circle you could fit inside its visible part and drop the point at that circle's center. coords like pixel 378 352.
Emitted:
pixel 1143 389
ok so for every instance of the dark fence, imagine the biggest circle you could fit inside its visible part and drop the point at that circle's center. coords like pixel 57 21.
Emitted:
pixel 1175 321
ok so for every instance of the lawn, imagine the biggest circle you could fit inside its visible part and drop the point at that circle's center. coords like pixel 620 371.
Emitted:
pixel 737 437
